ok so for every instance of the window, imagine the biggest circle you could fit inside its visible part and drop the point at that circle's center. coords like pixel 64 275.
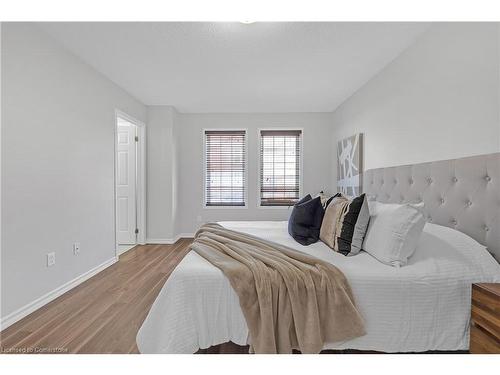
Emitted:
pixel 279 167
pixel 225 168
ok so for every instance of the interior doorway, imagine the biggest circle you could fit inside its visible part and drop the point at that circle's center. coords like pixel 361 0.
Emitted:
pixel 129 182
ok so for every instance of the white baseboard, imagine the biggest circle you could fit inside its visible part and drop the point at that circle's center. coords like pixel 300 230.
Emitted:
pixel 168 241
pixel 122 249
pixel 160 241
pixel 50 296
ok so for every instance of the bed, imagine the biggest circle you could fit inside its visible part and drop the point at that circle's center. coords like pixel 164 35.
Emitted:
pixel 423 306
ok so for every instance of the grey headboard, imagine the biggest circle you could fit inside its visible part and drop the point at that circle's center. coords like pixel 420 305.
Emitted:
pixel 461 193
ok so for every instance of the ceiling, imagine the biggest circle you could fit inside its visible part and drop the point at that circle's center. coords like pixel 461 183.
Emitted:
pixel 236 67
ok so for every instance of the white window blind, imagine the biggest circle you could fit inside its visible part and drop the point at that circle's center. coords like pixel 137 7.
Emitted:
pixel 279 167
pixel 225 168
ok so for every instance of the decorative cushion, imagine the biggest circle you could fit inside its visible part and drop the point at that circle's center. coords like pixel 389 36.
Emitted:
pixel 393 232
pixel 305 220
pixel 326 198
pixel 345 223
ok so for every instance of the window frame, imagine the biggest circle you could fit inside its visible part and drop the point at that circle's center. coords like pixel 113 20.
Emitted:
pixel 259 162
pixel 245 185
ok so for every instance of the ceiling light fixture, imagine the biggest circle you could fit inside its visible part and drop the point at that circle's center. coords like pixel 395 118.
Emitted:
pixel 247 22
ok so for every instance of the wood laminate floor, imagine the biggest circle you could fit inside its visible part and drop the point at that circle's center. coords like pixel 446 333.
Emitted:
pixel 103 314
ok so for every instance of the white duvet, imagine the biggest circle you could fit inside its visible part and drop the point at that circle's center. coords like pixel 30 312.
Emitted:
pixel 422 306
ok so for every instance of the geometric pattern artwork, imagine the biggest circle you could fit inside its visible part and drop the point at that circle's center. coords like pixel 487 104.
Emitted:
pixel 349 165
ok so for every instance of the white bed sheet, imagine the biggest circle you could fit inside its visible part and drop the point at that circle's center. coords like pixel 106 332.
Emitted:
pixel 422 306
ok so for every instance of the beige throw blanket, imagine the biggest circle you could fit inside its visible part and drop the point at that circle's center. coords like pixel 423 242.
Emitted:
pixel 290 300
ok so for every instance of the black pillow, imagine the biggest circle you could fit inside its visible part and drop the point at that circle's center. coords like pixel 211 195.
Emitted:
pixel 305 220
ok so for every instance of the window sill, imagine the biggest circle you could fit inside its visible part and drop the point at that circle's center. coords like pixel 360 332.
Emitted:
pixel 274 207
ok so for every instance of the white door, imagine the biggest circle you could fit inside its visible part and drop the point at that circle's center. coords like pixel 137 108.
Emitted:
pixel 126 222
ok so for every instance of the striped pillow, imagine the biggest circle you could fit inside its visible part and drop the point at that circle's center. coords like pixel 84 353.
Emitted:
pixel 345 223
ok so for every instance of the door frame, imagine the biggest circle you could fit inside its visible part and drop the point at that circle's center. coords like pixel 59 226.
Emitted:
pixel 140 173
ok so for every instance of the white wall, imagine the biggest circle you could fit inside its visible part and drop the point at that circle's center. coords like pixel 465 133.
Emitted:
pixel 57 164
pixel 438 100
pixel 161 174
pixel 317 171
pixel 176 154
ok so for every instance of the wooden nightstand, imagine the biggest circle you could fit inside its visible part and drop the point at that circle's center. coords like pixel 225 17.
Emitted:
pixel 485 319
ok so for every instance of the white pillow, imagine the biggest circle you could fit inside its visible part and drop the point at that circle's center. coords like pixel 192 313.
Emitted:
pixel 373 205
pixel 393 232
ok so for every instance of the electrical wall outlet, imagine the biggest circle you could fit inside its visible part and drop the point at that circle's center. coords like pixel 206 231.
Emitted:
pixel 76 248
pixel 51 259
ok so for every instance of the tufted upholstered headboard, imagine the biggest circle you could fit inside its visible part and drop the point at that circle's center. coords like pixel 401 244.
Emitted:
pixel 460 193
